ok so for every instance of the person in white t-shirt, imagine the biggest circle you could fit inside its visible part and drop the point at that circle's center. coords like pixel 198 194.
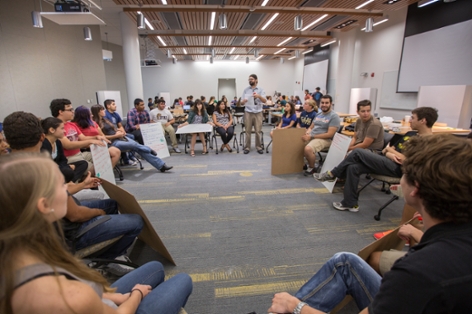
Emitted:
pixel 162 115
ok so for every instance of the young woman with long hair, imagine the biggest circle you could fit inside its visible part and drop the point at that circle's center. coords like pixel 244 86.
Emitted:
pixel 38 275
pixel 83 120
pixel 197 115
pixel 289 118
pixel 223 122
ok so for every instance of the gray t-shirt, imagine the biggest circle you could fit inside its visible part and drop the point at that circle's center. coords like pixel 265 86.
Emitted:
pixel 253 105
pixel 325 120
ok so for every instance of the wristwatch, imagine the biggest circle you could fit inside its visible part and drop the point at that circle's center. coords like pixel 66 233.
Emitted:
pixel 298 308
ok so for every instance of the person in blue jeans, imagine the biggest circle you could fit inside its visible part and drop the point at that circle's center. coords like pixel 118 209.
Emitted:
pixel 123 143
pixel 434 275
pixel 39 266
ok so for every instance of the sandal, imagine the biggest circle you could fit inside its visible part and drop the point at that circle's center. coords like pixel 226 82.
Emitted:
pixel 192 153
pixel 222 147
pixel 205 152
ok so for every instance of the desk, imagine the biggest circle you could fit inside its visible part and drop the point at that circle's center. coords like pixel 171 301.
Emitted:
pixel 195 128
pixel 343 115
pixel 440 130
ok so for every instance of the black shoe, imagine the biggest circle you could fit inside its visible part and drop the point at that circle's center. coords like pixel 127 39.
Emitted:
pixel 246 151
pixel 165 168
pixel 153 152
pixel 305 167
pixel 260 151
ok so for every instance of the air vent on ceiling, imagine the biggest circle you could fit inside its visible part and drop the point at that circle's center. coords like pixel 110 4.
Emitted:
pixel 252 20
pixel 172 20
pixel 326 25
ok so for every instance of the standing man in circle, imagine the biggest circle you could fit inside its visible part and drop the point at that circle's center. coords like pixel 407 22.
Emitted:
pixel 253 98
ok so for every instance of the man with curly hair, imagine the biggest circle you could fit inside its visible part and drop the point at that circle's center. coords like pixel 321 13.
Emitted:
pixel 435 275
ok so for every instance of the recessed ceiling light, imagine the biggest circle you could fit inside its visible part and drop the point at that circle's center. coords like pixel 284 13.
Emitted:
pixel 185 51
pixel 270 21
pixel 264 3
pixel 164 2
pixel 232 50
pixel 236 57
pixel 291 58
pixel 148 24
pixel 257 59
pixel 307 51
pixel 162 42
pixel 279 51
pixel 212 21
pixel 209 41
pixel 253 38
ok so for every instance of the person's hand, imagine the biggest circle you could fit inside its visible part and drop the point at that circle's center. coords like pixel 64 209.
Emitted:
pixel 72 167
pixel 406 232
pixel 256 95
pixel 396 159
pixel 145 289
pixel 136 126
pixel 306 137
pixel 167 124
pixel 120 133
pixel 90 182
pixel 283 303
pixel 243 101
pixel 97 142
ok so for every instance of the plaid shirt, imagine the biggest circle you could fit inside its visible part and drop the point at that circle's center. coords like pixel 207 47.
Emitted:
pixel 134 118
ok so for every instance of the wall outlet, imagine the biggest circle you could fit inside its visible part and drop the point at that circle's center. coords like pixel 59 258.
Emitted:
pixel 89 101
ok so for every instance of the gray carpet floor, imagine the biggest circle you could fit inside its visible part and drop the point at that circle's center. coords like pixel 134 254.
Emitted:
pixel 243 234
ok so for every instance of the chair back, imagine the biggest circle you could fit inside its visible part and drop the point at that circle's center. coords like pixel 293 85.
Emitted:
pixel 239 109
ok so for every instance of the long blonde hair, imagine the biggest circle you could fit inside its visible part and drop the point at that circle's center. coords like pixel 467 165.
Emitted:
pixel 24 179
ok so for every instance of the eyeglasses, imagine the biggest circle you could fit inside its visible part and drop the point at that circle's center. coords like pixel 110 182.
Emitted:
pixel 70 109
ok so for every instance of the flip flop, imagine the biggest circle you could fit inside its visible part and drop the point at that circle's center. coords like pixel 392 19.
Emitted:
pixel 192 153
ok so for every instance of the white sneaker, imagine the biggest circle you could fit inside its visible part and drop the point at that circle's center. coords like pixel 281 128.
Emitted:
pixel 339 206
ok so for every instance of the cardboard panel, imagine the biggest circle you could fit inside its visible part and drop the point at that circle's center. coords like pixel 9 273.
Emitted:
pixel 287 151
pixel 128 205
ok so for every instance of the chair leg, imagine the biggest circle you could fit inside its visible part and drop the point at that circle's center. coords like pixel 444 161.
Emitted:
pixel 120 173
pixel 236 144
pixel 377 217
pixel 365 186
pixel 267 148
pixel 216 143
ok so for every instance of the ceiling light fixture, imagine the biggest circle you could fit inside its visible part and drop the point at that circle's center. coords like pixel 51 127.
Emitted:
pixel 282 60
pixel 164 2
pixel 235 58
pixel 148 24
pixel 297 54
pixel 223 21
pixel 247 60
pixel 212 21
pixel 169 54
pixel 97 6
pixel 328 43
pixel 284 41
pixel 292 58
pixel 232 50
pixel 140 21
pixel 256 53
pixel 213 52
pixel 364 4
pixel 162 42
pixel 369 25
pixel 87 33
pixel 185 51
pixel 313 23
pixel 279 51
pixel 270 21
pixel 307 51
pixel 424 3
pixel 391 1
pixel 264 3
pixel 347 23
pixel 379 22
pixel 37 20
pixel 253 38
pixel 209 41
pixel 258 58
pixel 298 23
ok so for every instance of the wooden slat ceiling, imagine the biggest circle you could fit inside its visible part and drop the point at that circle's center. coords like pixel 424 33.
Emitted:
pixel 194 20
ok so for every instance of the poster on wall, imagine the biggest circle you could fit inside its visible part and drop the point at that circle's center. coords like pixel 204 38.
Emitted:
pixel 337 152
pixel 153 136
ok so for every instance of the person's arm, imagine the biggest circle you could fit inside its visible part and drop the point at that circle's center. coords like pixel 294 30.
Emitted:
pixel 394 156
pixel 170 122
pixel 230 122
pixel 130 121
pixel 67 144
pixel 408 233
pixel 77 213
pixel 119 127
pixel 134 299
pixel 89 182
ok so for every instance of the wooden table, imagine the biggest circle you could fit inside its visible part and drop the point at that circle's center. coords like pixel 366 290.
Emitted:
pixel 440 130
pixel 343 115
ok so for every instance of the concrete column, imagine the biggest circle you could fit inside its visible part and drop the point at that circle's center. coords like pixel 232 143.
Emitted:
pixel 346 42
pixel 131 59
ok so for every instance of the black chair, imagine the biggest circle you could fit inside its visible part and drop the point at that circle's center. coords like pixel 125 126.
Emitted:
pixel 238 114
pixel 214 138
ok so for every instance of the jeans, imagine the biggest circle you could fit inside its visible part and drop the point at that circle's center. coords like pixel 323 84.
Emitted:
pixel 127 225
pixel 344 273
pixel 226 135
pixel 166 297
pixel 143 151
pixel 362 161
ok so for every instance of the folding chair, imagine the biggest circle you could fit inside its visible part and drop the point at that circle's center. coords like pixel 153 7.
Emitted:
pixel 216 134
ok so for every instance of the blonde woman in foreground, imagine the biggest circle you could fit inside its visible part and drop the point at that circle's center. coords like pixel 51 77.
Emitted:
pixel 38 275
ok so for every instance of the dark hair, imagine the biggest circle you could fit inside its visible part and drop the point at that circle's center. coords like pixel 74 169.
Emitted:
pixel 108 102
pixel 22 130
pixel 82 117
pixel 195 109
pixel 58 105
pixel 327 97
pixel 297 98
pixel 364 103
pixel 96 113
pixel 254 76
pixel 137 101
pixel 306 90
pixel 292 109
pixel 50 122
pixel 427 113
pixel 441 168
pixel 317 88
pixel 202 98
pixel 160 100
pixel 225 111
pixel 149 99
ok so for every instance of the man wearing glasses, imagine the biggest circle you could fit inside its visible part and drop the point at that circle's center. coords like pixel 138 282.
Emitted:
pixel 253 98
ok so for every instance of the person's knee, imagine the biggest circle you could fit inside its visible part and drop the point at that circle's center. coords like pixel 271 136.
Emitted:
pixel 135 222
pixel 154 266
pixel 346 257
pixel 185 282
pixel 374 261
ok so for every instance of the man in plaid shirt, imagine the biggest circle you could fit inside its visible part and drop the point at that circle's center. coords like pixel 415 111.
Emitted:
pixel 135 117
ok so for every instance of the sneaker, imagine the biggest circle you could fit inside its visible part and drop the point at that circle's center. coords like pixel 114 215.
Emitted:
pixel 397 190
pixel 339 206
pixel 327 176
pixel 380 235
pixel 309 171
pixel 177 150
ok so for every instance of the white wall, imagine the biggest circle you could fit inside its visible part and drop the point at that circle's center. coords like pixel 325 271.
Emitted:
pixel 115 73
pixel 38 65
pixel 201 78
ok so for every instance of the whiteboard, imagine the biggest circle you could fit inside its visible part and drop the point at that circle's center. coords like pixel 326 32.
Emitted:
pixel 315 75
pixel 390 99
pixel 153 136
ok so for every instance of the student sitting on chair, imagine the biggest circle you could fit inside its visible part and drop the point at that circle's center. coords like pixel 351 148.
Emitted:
pixel 289 118
pixel 223 122
pixel 308 114
pixel 369 132
pixel 197 115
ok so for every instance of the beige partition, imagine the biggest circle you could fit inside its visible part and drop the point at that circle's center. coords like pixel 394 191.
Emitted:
pixel 287 151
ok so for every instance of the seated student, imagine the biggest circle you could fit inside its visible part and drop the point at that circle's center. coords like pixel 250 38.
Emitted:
pixel 89 128
pixel 308 95
pixel 234 102
pixel 197 115
pixel 369 132
pixel 297 100
pixel 134 118
pixel 363 161
pixel 150 104
pixel 74 140
pixel 121 142
pixel 434 276
pixel 204 102
pixel 320 133
pixel 53 128
pixel 40 276
pixel 211 106
pixel 163 116
pixel 289 118
pixel 26 135
pixel 4 147
pixel 308 114
pixel 223 122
